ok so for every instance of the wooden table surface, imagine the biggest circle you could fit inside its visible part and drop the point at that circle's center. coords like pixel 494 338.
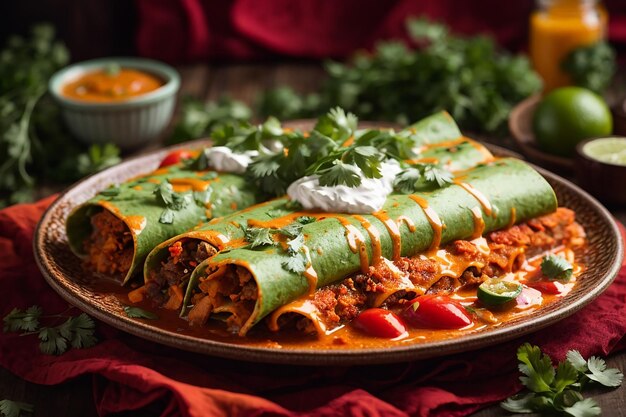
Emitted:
pixel 242 82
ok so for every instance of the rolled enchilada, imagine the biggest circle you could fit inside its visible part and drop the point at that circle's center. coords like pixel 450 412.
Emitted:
pixel 247 284
pixel 115 230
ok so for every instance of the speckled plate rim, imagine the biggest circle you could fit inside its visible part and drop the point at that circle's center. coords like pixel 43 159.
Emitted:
pixel 425 350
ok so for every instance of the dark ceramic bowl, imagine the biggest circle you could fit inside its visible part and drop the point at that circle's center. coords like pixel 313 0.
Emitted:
pixel 606 181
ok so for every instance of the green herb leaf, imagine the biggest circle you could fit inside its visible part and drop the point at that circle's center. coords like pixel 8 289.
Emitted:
pixel 433 173
pixel 112 191
pixel 258 236
pixel 139 313
pixel 10 408
pixel 519 403
pixel 585 408
pixel 164 193
pixel 408 180
pixel 340 174
pixel 306 219
pixel 79 331
pixel 22 320
pixel 167 216
pixel 556 268
pixel 295 264
pixel 296 244
pixel 576 359
pixel 591 66
pixel 598 372
pixel 51 341
pixel 537 368
pixel 199 119
pixel 291 230
pixel 202 197
pixel 566 375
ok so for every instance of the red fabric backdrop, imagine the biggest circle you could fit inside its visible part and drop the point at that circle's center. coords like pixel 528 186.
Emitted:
pixel 188 30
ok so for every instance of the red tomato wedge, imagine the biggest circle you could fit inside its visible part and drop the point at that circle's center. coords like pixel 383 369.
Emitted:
pixel 436 312
pixel 175 157
pixel 547 287
pixel 379 322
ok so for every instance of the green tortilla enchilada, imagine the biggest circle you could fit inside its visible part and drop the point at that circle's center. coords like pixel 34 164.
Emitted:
pixel 290 256
pixel 115 230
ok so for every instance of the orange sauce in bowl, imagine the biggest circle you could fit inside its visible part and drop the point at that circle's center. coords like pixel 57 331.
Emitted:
pixel 104 86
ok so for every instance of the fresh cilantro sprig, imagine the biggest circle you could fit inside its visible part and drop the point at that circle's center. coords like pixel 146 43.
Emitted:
pixel 9 408
pixel 262 236
pixel 557 392
pixel 76 331
pixel 400 83
pixel 556 268
pixel 174 201
pixel 198 119
pixel 420 177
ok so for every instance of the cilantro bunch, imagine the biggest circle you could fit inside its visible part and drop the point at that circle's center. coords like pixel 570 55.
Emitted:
pixel 558 392
pixel 199 119
pixel 591 66
pixel 32 132
pixel 76 331
pixel 468 76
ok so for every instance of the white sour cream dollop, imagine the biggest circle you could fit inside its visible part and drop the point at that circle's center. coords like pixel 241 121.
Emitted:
pixel 223 159
pixel 366 198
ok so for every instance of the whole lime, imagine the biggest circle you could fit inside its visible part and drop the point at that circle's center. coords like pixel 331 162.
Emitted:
pixel 568 115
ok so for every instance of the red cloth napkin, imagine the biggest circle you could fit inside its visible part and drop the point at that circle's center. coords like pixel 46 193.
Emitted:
pixel 187 30
pixel 131 373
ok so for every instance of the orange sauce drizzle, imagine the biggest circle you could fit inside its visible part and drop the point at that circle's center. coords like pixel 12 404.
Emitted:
pixel 408 221
pixel 394 232
pixel 309 273
pixel 479 196
pixel 374 234
pixel 479 223
pixel 433 219
pixel 135 223
pixel 513 217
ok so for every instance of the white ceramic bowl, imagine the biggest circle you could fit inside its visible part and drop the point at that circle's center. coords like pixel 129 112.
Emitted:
pixel 130 123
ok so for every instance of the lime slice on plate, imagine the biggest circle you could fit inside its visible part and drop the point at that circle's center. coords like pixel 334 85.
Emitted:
pixel 609 150
pixel 495 292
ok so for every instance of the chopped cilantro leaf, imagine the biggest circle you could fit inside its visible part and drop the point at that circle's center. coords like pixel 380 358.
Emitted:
pixel 556 268
pixel 258 236
pixel 10 408
pixel 305 219
pixel 295 245
pixel 434 173
pixel 295 264
pixel 167 216
pixel 340 174
pixel 22 320
pixel 139 313
pixel 164 193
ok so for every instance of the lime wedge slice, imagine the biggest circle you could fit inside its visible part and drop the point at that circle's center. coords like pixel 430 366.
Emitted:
pixel 609 150
pixel 495 292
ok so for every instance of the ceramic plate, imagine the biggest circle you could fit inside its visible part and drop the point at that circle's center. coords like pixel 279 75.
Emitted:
pixel 64 273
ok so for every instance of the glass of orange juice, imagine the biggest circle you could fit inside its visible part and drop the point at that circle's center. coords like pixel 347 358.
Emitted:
pixel 558 27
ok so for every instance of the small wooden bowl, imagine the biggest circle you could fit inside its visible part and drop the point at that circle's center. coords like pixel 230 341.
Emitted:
pixel 521 127
pixel 604 180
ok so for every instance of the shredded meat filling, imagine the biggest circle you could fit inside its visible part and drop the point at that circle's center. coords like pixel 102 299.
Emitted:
pixel 164 285
pixel 110 245
pixel 234 291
